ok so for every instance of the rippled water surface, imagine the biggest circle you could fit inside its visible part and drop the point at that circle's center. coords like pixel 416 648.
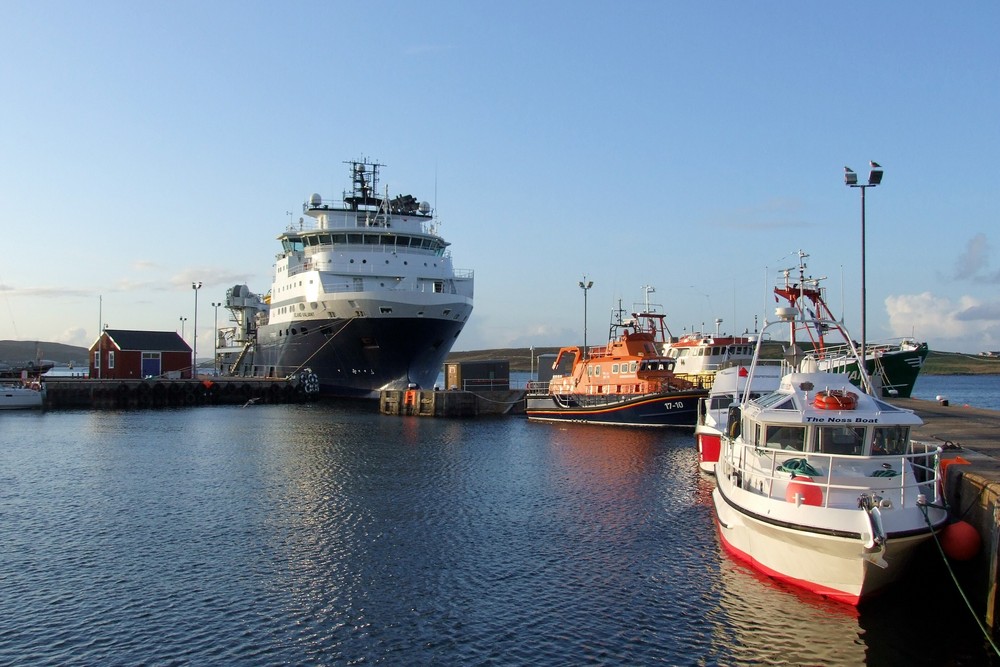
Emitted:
pixel 329 535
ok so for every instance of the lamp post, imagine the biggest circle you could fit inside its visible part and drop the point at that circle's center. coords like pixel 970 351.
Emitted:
pixel 194 354
pixel 585 285
pixel 215 340
pixel 851 181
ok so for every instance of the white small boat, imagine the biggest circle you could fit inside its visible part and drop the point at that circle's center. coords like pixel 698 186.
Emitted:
pixel 729 388
pixel 21 396
pixel 818 483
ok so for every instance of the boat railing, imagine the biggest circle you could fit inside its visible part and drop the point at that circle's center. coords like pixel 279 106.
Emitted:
pixel 901 478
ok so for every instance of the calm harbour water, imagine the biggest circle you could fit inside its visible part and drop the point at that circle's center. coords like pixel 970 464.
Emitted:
pixel 328 535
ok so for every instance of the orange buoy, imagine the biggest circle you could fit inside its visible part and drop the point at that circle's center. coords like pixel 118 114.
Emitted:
pixel 806 489
pixel 960 541
pixel 835 399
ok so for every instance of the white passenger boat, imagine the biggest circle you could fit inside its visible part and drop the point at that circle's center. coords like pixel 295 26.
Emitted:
pixel 819 484
pixel 729 388
pixel 21 396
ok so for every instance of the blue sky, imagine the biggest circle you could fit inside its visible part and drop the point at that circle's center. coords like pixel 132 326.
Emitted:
pixel 693 147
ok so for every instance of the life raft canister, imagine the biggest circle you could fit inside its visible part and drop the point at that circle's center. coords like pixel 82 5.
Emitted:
pixel 835 399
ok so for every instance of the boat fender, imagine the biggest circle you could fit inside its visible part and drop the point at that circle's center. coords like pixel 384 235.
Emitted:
pixel 734 422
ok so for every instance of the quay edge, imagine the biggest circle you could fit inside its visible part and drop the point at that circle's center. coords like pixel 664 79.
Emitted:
pixel 71 392
pixel 970 438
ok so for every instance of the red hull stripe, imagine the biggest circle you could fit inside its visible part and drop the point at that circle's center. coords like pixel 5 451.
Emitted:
pixel 833 594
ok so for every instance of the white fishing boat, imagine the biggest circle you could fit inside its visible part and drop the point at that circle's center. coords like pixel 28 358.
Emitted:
pixel 729 387
pixel 891 365
pixel 364 296
pixel 21 395
pixel 700 355
pixel 818 483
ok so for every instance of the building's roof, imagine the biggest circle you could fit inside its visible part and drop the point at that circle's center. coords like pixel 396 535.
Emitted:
pixel 148 341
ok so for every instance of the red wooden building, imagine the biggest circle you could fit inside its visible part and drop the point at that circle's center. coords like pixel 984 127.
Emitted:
pixel 121 354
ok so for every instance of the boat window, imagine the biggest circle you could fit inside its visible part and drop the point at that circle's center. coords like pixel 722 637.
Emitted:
pixel 615 368
pixel 633 366
pixel 340 238
pixel 785 437
pixel 840 439
pixel 720 402
pixel 776 401
pixel 890 440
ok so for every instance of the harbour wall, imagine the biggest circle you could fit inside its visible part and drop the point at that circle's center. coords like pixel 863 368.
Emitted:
pixel 71 392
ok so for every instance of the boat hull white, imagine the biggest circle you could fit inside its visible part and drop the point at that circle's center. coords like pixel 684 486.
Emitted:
pixel 20 398
pixel 833 562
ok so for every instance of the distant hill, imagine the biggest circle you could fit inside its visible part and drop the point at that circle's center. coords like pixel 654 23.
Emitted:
pixel 520 358
pixel 16 351
pixel 938 363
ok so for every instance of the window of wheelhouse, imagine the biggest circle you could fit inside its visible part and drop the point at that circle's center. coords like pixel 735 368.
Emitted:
pixel 784 437
pixel 840 439
pixel 890 440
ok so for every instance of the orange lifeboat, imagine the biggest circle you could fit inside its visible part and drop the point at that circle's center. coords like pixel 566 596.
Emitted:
pixel 835 399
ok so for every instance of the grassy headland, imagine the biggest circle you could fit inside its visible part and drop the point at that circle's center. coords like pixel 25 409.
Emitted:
pixel 937 363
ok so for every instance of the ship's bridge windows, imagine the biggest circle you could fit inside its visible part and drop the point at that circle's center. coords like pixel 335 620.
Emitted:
pixel 292 244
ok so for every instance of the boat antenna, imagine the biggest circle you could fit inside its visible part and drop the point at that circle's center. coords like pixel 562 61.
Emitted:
pixel 646 290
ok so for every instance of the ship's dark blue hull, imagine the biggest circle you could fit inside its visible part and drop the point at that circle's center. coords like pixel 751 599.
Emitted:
pixel 675 408
pixel 358 358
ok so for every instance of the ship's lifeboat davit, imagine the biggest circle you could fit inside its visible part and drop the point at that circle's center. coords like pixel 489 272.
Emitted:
pixel 835 399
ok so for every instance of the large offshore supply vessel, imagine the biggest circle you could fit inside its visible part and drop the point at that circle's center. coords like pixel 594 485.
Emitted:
pixel 364 297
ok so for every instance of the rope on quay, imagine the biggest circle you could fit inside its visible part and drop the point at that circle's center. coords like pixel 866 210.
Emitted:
pixel 968 604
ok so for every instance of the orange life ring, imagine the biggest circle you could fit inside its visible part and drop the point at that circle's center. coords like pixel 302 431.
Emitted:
pixel 835 399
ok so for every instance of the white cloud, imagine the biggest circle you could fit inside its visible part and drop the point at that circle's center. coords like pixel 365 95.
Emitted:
pixel 965 325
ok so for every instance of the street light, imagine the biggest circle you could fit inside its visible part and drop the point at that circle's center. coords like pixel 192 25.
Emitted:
pixel 215 341
pixel 851 181
pixel 194 362
pixel 585 285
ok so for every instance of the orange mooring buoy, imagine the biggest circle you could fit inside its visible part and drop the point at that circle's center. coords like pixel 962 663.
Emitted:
pixel 960 541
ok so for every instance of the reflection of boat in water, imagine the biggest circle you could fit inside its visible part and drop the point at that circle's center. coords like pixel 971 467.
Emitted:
pixel 892 365
pixel 365 297
pixel 818 483
pixel 628 382
pixel 21 396
pixel 729 387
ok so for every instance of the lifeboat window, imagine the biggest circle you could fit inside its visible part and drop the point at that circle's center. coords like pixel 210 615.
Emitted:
pixel 597 371
pixel 785 437
pixel 615 368
pixel 890 440
pixel 632 367
pixel 840 439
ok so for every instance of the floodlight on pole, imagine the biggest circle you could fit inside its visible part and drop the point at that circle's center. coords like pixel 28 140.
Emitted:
pixel 851 180
pixel 585 285
pixel 194 354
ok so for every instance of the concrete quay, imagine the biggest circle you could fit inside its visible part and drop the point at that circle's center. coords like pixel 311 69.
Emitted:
pixel 72 392
pixel 970 438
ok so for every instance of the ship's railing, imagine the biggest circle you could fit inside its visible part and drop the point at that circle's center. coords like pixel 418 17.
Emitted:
pixel 840 477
